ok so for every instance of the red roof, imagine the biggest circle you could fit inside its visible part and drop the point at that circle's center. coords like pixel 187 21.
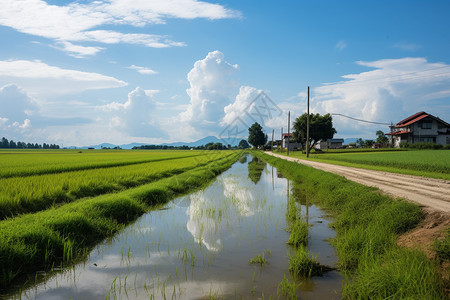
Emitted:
pixel 417 117
pixel 413 120
pixel 397 132
pixel 402 122
pixel 287 134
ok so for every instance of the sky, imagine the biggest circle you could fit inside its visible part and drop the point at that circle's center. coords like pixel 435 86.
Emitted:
pixel 78 73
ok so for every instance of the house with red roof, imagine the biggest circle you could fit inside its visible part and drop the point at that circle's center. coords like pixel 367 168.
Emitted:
pixel 418 128
pixel 288 140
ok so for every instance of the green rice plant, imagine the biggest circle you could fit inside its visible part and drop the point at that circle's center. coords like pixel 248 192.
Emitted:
pixel 40 240
pixel 20 163
pixel 304 265
pixel 259 259
pixel 287 289
pixel 299 233
pixel 34 193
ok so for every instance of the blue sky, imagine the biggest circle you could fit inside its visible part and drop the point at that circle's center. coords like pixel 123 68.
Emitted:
pixel 121 71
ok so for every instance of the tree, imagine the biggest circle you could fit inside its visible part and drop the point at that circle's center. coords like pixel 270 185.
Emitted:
pixel 381 137
pixel 320 128
pixel 256 136
pixel 243 144
pixel 5 143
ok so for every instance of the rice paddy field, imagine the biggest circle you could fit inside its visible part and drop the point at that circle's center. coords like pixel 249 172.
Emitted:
pixel 54 205
pixel 428 163
pixel 96 224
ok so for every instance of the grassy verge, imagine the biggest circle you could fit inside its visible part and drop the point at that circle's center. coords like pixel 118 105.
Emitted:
pixel 428 163
pixel 62 235
pixel 367 225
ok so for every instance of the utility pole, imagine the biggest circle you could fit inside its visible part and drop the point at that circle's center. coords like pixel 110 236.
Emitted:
pixel 273 131
pixel 281 147
pixel 307 128
pixel 289 126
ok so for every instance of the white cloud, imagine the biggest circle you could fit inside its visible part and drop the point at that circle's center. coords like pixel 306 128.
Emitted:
pixel 395 89
pixel 16 109
pixel 75 21
pixel 341 45
pixel 213 85
pixel 143 70
pixel 137 116
pixel 41 79
pixel 243 103
pixel 77 50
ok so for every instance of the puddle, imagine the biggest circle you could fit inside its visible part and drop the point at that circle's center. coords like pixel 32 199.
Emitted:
pixel 199 247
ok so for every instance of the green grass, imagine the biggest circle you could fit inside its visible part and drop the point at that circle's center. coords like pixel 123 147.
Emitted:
pixel 39 192
pixel 287 289
pixel 428 163
pixel 64 234
pixel 442 246
pixel 303 264
pixel 367 225
pixel 258 260
pixel 299 233
pixel 22 162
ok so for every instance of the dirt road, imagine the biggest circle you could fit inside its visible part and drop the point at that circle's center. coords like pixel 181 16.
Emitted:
pixel 428 192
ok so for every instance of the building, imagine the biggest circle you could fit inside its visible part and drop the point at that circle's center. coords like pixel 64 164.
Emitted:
pixel 418 128
pixel 292 145
pixel 331 144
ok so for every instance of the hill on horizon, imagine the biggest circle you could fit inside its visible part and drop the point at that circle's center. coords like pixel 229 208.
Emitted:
pixel 200 142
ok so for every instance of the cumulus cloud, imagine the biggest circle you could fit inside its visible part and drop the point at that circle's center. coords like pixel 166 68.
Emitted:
pixel 137 116
pixel 213 85
pixel 75 21
pixel 38 78
pixel 393 90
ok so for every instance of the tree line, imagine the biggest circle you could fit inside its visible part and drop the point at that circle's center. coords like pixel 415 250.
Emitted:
pixel 23 145
pixel 320 129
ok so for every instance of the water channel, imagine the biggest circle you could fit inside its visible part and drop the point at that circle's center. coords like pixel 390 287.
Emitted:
pixel 198 247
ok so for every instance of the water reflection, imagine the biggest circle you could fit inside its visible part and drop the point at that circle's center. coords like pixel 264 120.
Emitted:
pixel 255 169
pixel 200 247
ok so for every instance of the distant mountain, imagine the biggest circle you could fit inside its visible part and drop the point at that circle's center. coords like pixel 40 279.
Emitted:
pixel 203 141
pixel 206 140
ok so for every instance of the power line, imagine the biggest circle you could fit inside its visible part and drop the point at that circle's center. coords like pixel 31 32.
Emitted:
pixel 360 120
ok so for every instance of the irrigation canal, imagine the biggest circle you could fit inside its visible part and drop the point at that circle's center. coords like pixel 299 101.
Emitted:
pixel 199 246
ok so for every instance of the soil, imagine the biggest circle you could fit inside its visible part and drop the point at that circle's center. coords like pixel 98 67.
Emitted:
pixel 427 192
pixel 433 195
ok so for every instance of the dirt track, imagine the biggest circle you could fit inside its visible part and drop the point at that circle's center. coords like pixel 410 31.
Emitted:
pixel 428 192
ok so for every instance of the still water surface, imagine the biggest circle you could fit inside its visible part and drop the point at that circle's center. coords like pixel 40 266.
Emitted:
pixel 199 246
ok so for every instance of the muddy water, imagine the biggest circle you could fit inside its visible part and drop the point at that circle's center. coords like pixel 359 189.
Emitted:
pixel 199 247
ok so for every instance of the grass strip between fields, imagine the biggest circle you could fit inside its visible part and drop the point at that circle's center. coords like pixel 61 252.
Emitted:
pixel 367 225
pixel 63 235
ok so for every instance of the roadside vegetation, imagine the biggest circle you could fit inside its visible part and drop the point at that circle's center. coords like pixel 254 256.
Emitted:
pixel 428 163
pixel 367 225
pixel 63 234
